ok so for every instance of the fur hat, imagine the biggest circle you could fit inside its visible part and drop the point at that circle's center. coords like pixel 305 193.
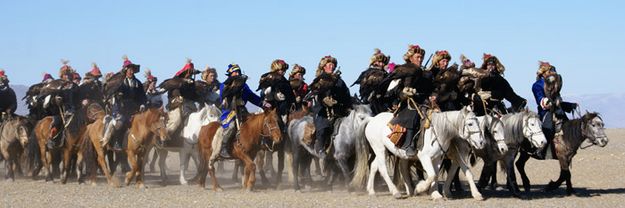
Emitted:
pixel 379 56
pixel 297 69
pixel 325 60
pixel 279 65
pixel 47 76
pixel 412 50
pixel 233 68
pixel 208 71
pixel 76 76
pixel 543 67
pixel 488 58
pixel 466 62
pixel 126 61
pixel 438 56
pixel 149 77
pixel 66 69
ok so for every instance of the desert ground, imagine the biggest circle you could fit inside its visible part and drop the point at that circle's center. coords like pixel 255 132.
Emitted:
pixel 596 174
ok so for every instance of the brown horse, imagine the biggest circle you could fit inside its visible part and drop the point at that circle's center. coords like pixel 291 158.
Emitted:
pixel 14 136
pixel 245 148
pixel 143 128
pixel 93 142
pixel 45 131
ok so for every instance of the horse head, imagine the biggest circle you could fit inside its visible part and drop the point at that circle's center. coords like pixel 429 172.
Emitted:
pixel 470 129
pixel 24 128
pixel 532 129
pixel 271 127
pixel 496 130
pixel 157 124
pixel 593 129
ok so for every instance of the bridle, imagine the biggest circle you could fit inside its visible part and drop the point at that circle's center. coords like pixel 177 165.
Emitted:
pixel 526 127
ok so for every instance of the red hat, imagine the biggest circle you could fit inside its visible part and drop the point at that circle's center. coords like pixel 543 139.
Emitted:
pixel 2 73
pixel 148 76
pixel 95 71
pixel 126 61
pixel 187 67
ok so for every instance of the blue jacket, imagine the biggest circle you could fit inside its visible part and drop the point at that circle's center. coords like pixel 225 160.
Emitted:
pixel 247 96
pixel 539 93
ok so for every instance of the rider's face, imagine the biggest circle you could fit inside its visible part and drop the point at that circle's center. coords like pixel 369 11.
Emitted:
pixel 329 68
pixel 416 59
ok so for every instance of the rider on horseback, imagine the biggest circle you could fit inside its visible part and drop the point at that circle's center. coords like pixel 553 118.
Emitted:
pixel 129 99
pixel 495 88
pixel 8 103
pixel 371 79
pixel 551 109
pixel 235 93
pixel 332 100
pixel 445 82
pixel 209 77
pixel 154 99
pixel 276 90
pixel 409 84
pixel 300 88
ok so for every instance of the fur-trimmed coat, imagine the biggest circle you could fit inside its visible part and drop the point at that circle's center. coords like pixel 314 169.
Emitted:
pixel 330 85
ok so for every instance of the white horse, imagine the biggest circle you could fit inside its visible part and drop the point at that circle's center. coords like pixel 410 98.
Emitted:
pixel 188 136
pixel 445 126
pixel 518 127
pixel 460 150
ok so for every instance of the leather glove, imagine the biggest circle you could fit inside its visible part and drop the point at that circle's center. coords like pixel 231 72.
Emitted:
pixel 329 101
pixel 141 108
pixel 408 91
pixel 280 96
pixel 298 99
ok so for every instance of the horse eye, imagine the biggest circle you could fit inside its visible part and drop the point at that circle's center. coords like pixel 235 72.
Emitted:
pixel 470 124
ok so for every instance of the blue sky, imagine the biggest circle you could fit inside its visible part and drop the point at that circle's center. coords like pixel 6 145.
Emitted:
pixel 585 41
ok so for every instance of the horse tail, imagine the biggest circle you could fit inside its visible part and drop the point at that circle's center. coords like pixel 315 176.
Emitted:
pixel 32 153
pixel 361 168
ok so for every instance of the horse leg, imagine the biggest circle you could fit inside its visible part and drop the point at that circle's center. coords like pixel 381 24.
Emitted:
pixel 66 164
pixel 184 162
pixel 79 167
pixel 139 165
pixel 485 175
pixel 153 161
pixel 280 164
pixel 110 155
pixel 235 170
pixel 452 172
pixel 295 165
pixel 8 164
pixel 511 175
pixel 162 156
pixel 520 165
pixel 404 172
pixel 260 163
pixel 132 159
pixel 288 161
pixel 104 168
pixel 250 171
pixel 469 176
pixel 342 162
pixel 211 171
pixel 318 168
pixel 380 161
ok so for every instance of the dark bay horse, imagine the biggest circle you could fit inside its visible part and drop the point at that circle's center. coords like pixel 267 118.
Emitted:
pixel 589 127
pixel 14 138
pixel 252 131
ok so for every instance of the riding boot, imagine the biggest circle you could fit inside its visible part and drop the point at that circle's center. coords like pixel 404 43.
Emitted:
pixel 225 143
pixel 409 143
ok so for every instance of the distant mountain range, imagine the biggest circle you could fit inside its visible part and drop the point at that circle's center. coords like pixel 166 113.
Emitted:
pixel 608 105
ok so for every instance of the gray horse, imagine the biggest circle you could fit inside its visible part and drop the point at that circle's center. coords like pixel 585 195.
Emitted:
pixel 574 132
pixel 14 136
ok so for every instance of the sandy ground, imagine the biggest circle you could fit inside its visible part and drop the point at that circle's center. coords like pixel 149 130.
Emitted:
pixel 596 174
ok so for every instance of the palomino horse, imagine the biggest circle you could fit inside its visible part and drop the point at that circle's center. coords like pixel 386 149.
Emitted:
pixel 189 136
pixel 256 127
pixel 521 127
pixel 143 128
pixel 574 132
pixel 445 126
pixel 14 136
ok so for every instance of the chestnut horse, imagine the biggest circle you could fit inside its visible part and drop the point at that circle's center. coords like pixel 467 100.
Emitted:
pixel 93 142
pixel 252 131
pixel 143 128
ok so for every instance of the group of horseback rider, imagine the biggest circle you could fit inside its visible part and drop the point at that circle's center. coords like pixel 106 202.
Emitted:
pixel 411 90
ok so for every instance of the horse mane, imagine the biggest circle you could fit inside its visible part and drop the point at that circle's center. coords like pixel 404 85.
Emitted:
pixel 79 120
pixel 572 129
pixel 513 126
pixel 442 124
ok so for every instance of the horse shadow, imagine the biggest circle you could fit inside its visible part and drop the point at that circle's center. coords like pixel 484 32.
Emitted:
pixel 538 192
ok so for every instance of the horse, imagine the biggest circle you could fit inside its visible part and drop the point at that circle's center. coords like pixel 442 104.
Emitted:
pixel 44 131
pixel 349 143
pixel 496 147
pixel 256 127
pixel 301 130
pixel 519 128
pixel 96 136
pixel 143 128
pixel 574 132
pixel 14 138
pixel 189 137
pixel 444 127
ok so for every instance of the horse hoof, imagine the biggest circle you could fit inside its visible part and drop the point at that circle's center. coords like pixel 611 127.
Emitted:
pixel 436 196
pixel 371 193
pixel 218 189
pixel 551 186
pixel 421 187
pixel 397 195
pixel 570 192
pixel 478 197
